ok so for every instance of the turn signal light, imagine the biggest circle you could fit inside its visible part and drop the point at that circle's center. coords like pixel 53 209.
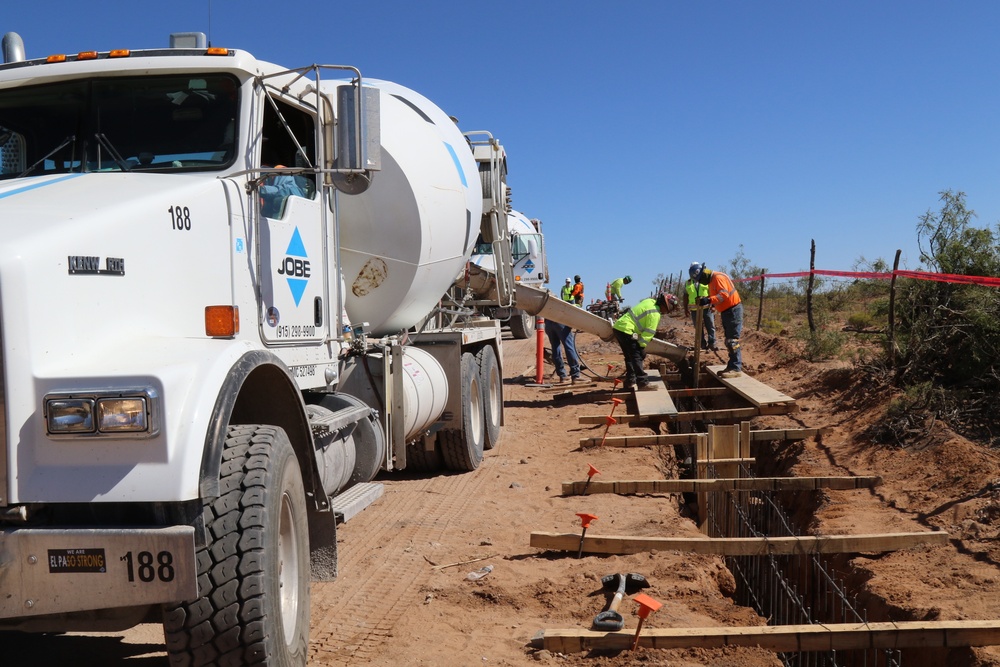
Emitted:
pixel 222 321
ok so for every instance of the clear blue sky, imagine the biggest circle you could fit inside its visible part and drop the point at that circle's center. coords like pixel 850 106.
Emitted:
pixel 649 134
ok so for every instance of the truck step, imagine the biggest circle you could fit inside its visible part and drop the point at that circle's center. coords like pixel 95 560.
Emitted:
pixel 351 502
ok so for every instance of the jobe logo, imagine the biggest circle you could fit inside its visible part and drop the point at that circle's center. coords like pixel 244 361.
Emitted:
pixel 295 266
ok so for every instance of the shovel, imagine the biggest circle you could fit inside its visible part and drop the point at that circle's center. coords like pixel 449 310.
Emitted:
pixel 610 619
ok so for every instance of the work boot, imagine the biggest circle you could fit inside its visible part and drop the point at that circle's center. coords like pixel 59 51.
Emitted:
pixel 576 380
pixel 730 373
pixel 649 386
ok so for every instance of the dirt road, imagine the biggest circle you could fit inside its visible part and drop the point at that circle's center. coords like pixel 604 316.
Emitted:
pixel 400 601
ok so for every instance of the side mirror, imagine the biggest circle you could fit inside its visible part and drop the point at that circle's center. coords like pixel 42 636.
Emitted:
pixel 359 137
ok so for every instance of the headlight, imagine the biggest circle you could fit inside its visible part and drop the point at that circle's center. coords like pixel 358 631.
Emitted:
pixel 121 415
pixel 131 413
pixel 70 415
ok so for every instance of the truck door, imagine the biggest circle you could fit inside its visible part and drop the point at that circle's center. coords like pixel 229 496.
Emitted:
pixel 291 242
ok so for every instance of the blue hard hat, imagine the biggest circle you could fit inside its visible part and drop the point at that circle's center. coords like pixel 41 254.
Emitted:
pixel 694 269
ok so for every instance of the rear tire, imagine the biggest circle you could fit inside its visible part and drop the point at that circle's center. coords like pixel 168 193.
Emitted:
pixel 253 571
pixel 489 373
pixel 419 459
pixel 463 450
pixel 521 324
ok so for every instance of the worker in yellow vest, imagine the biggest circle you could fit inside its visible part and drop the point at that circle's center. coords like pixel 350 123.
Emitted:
pixel 567 291
pixel 695 290
pixel 634 330
pixel 615 291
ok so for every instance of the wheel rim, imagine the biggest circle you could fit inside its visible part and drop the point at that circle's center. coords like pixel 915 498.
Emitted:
pixel 288 569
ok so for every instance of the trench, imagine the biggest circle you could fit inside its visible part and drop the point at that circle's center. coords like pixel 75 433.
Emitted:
pixel 805 589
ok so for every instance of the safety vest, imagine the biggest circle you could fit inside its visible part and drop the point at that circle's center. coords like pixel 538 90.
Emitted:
pixel 694 290
pixel 616 287
pixel 567 293
pixel 642 318
pixel 722 292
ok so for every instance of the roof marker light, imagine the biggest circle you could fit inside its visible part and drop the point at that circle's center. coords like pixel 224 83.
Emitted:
pixel 216 51
pixel 120 53
pixel 86 55
pixel 56 58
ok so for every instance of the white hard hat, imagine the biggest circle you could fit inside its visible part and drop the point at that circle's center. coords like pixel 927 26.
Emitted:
pixel 568 280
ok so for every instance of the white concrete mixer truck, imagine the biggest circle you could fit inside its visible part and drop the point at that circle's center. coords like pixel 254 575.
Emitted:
pixel 522 262
pixel 219 316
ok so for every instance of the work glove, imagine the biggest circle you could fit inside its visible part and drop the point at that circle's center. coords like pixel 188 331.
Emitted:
pixel 704 301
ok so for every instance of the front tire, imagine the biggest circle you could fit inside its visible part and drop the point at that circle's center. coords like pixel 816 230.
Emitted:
pixel 521 324
pixel 253 571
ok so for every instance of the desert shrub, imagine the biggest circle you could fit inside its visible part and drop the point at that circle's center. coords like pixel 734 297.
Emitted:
pixel 772 326
pixel 860 321
pixel 821 344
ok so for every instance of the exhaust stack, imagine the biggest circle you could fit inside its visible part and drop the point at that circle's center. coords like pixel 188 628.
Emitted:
pixel 13 48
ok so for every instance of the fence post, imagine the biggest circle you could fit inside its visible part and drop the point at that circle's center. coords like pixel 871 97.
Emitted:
pixel 760 301
pixel 809 290
pixel 892 312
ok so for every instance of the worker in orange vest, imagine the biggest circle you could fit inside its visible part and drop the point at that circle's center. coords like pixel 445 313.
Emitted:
pixel 722 296
pixel 578 291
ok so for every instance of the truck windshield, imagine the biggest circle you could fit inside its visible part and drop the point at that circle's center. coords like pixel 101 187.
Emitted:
pixel 162 123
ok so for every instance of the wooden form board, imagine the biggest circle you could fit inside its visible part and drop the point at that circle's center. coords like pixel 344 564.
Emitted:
pixel 696 415
pixel 654 486
pixel 754 391
pixel 654 402
pixel 567 386
pixel 738 546
pixel 783 638
pixel 764 435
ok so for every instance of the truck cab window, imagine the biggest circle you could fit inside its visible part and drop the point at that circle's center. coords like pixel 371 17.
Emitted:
pixel 287 142
pixel 152 123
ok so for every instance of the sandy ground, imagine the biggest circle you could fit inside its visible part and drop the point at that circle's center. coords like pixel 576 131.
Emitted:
pixel 402 597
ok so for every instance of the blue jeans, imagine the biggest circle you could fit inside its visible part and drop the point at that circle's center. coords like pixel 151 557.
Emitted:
pixel 732 325
pixel 561 336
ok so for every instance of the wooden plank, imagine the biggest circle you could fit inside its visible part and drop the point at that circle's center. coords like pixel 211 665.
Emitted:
pixel 753 390
pixel 656 401
pixel 765 435
pixel 783 638
pixel 566 386
pixel 641 440
pixel 739 546
pixel 665 486
pixel 703 391
pixel 621 418
pixel 697 415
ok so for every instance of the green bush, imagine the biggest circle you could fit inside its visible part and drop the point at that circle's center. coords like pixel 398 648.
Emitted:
pixel 860 321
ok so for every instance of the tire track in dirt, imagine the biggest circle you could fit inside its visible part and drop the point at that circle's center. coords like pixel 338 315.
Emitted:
pixel 380 575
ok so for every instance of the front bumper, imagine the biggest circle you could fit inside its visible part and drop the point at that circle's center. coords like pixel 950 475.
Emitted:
pixel 60 570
